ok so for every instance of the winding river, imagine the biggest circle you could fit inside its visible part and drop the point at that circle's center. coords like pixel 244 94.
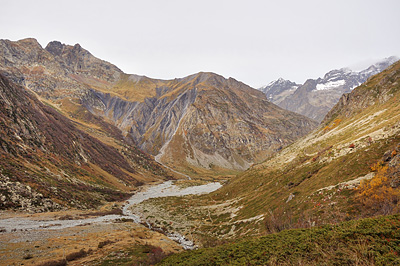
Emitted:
pixel 166 189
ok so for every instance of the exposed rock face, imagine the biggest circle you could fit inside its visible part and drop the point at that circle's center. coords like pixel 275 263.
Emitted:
pixel 365 96
pixel 316 97
pixel 42 148
pixel 202 120
pixel 278 90
pixel 57 71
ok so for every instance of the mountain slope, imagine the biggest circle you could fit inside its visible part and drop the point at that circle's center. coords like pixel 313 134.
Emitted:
pixel 362 242
pixel 358 133
pixel 216 121
pixel 317 96
pixel 47 162
pixel 202 121
pixel 316 180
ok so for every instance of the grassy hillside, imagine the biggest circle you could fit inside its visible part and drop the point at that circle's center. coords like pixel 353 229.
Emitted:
pixel 363 242
pixel 312 182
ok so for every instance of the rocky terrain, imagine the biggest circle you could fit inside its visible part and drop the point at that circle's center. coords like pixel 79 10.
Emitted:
pixel 317 96
pixel 47 162
pixel 202 121
pixel 278 90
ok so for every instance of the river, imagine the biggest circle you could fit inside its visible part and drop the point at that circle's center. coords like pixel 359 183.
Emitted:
pixel 166 189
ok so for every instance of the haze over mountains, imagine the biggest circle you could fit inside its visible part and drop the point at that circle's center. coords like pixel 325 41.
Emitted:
pixel 202 120
pixel 316 97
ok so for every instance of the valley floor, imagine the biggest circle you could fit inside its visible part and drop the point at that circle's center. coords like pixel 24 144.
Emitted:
pixel 112 235
pixel 100 242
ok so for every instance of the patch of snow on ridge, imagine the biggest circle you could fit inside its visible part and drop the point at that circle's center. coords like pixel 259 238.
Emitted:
pixel 330 85
pixel 352 88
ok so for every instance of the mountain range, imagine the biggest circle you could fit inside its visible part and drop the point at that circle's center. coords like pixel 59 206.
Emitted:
pixel 203 121
pixel 316 97
pixel 347 169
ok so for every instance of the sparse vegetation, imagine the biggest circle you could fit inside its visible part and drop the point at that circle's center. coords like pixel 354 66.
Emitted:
pixel 136 255
pixel 104 243
pixel 363 242
pixel 380 195
pixel 77 255
pixel 61 262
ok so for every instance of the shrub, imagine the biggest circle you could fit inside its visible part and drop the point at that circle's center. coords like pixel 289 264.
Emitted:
pixel 377 194
pixel 76 255
pixel 104 243
pixel 28 257
pixel 61 262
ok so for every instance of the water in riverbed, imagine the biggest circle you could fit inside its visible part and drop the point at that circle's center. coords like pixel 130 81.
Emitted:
pixel 166 189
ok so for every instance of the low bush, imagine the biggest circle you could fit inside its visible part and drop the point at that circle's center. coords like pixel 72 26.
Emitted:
pixel 61 262
pixel 104 243
pixel 76 255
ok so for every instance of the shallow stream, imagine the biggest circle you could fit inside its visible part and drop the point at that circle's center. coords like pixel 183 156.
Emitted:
pixel 166 189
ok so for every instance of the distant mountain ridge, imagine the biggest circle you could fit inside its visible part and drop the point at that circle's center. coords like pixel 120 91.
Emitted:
pixel 278 90
pixel 202 120
pixel 317 96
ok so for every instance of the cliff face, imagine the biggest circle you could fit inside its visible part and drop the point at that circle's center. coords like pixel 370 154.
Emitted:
pixel 377 90
pixel 203 120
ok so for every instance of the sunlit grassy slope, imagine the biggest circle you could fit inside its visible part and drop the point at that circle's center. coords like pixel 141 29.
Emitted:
pixel 355 135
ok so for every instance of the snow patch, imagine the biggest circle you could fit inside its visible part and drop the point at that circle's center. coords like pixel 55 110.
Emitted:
pixel 330 85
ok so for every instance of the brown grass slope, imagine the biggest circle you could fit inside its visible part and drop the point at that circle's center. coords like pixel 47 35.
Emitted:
pixel 296 182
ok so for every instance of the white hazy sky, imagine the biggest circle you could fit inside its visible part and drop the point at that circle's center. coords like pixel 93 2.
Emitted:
pixel 254 41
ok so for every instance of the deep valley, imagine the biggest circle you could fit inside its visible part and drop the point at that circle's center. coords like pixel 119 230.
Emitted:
pixel 101 167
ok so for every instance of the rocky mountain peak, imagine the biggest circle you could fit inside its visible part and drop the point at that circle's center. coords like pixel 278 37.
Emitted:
pixel 317 96
pixel 29 42
pixel 278 89
pixel 55 48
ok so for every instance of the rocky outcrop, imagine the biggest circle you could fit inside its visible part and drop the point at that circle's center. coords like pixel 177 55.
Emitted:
pixel 378 90
pixel 17 196
pixel 57 71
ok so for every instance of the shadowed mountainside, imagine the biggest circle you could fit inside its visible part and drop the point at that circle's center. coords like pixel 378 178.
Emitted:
pixel 48 162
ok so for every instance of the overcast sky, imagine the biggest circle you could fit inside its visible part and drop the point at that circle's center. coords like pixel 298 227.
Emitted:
pixel 254 41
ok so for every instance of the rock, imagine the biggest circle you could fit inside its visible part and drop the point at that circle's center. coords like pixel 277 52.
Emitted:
pixel 291 196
